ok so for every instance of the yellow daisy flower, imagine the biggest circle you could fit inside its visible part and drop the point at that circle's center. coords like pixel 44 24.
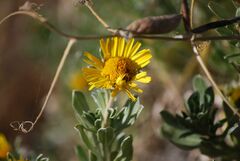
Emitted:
pixel 120 68
pixel 4 146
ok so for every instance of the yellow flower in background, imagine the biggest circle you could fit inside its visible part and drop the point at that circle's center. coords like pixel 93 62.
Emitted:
pixel 120 68
pixel 78 82
pixel 234 96
pixel 4 146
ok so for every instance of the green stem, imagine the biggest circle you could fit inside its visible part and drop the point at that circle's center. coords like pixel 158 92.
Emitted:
pixel 105 122
pixel 107 154
pixel 210 78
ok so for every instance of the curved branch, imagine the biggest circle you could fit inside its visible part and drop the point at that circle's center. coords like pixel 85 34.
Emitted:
pixel 210 78
pixel 27 126
pixel 51 27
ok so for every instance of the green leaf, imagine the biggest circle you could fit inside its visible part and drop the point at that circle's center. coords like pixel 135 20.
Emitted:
pixel 132 111
pixel 90 118
pixel 208 97
pixel 233 58
pixel 213 148
pixel 224 31
pixel 231 118
pixel 199 84
pixel 80 153
pixel 218 10
pixel 193 103
pixel 105 135
pixel 10 157
pixel 101 98
pixel 127 115
pixel 98 123
pixel 92 157
pixel 169 118
pixel 127 148
pixel 114 154
pixel 227 31
pixel 238 12
pixel 175 135
pixel 84 136
pixel 126 151
pixel 79 102
pixel 119 139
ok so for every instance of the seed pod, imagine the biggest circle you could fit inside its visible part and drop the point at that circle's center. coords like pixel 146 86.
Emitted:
pixel 155 24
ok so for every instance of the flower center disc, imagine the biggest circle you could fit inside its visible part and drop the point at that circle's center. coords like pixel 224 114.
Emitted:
pixel 120 67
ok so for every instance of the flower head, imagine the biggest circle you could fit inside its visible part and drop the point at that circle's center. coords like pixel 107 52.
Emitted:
pixel 120 68
pixel 4 146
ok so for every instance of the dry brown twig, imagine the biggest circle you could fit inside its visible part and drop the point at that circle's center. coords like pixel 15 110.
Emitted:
pixel 210 78
pixel 188 25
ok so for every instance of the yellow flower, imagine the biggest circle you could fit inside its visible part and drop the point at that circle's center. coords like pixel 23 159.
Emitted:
pixel 78 82
pixel 4 146
pixel 120 68
pixel 234 96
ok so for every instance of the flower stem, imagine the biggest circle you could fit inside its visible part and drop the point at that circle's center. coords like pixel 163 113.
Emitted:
pixel 105 122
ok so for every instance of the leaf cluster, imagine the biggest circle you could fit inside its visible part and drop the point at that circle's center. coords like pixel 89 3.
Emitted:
pixel 104 143
pixel 200 127
pixel 232 29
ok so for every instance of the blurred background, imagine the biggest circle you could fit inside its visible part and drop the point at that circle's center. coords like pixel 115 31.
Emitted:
pixel 30 54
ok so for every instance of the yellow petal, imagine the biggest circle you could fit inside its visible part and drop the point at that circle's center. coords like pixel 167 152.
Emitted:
pixel 143 59
pixel 121 44
pixel 114 47
pixel 94 59
pixel 103 47
pixel 140 54
pixel 108 49
pixel 130 95
pixel 90 71
pixel 119 80
pixel 91 87
pixel 135 49
pixel 128 48
pixel 132 84
pixel 138 90
pixel 145 64
pixel 146 79
pixel 140 75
